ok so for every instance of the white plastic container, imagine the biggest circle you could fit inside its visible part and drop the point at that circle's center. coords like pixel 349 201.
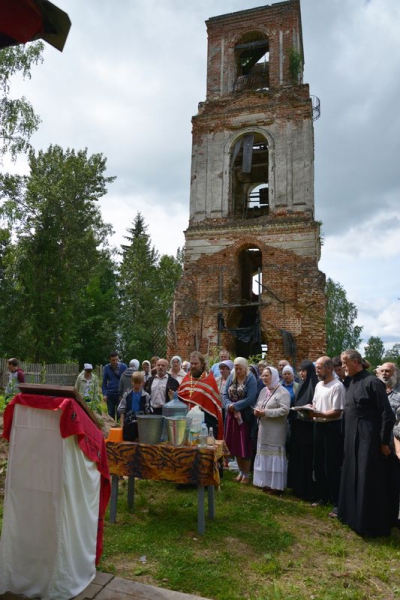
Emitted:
pixel 197 419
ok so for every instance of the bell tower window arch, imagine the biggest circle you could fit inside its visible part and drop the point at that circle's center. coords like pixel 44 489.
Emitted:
pixel 252 62
pixel 249 168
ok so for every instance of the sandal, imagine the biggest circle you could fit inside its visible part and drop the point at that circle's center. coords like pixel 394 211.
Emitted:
pixel 318 503
pixel 238 478
pixel 333 513
pixel 245 479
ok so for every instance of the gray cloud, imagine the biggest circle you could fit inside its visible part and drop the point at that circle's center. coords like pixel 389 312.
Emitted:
pixel 132 74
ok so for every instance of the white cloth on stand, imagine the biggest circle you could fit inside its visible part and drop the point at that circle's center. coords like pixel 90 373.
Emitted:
pixel 51 508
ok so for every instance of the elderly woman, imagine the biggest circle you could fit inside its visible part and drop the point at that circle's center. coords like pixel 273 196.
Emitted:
pixel 261 365
pixel 272 408
pixel 257 375
pixel 239 396
pixel 176 370
pixel 289 383
pixel 225 368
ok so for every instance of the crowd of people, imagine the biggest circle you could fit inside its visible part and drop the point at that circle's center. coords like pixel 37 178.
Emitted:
pixel 329 433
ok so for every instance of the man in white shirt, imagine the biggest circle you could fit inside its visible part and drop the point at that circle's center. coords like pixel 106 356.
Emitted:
pixel 160 386
pixel 328 404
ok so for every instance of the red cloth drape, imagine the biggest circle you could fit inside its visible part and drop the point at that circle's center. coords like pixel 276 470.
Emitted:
pixel 74 421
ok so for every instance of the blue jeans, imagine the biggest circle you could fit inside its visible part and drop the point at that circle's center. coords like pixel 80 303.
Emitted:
pixel 112 405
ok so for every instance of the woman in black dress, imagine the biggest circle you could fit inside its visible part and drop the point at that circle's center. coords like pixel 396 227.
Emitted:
pixel 300 468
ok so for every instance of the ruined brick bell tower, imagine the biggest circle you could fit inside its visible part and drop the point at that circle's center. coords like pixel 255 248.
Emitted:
pixel 252 246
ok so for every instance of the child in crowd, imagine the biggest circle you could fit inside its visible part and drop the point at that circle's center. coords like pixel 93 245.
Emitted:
pixel 134 400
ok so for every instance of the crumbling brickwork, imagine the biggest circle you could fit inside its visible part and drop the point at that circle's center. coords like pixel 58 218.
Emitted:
pixel 252 245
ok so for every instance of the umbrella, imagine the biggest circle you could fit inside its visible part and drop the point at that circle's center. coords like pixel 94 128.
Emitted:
pixel 23 21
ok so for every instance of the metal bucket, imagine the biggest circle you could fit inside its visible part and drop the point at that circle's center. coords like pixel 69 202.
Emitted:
pixel 150 428
pixel 176 428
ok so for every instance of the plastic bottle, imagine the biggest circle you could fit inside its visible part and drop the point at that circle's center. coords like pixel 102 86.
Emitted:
pixel 197 418
pixel 203 436
pixel 211 438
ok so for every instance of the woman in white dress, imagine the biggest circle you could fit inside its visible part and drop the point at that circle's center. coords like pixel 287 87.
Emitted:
pixel 272 408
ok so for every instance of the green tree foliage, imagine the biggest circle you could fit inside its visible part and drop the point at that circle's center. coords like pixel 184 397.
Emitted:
pixel 137 277
pixel 97 323
pixel 341 332
pixel 18 120
pixel 392 355
pixel 374 351
pixel 146 287
pixel 61 270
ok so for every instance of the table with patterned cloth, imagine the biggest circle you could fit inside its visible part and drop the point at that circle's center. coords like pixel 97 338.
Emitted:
pixel 163 462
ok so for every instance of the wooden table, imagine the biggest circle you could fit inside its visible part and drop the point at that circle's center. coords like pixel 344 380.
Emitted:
pixel 163 462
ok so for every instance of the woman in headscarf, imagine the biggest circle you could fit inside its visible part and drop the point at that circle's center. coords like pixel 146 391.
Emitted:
pixel 146 370
pixel 125 381
pixel 239 397
pixel 272 408
pixel 257 375
pixel 300 469
pixel 225 368
pixel 176 370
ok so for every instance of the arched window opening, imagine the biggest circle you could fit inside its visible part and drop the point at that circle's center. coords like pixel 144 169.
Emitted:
pixel 252 63
pixel 244 320
pixel 250 265
pixel 259 198
pixel 249 171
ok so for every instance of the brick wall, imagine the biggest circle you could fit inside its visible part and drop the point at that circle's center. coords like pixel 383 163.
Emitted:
pixel 287 239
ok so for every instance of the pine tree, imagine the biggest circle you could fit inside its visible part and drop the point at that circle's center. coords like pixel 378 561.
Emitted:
pixel 137 284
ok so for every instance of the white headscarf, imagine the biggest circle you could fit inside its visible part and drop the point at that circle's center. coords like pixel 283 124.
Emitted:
pixel 243 362
pixel 274 377
pixel 134 364
pixel 176 358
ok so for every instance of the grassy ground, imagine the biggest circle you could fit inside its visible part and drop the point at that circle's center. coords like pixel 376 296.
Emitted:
pixel 257 547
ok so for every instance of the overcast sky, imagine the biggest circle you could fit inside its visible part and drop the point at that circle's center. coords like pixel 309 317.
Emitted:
pixel 130 79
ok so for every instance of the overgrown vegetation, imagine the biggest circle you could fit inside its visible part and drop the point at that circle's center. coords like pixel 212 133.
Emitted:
pixel 295 64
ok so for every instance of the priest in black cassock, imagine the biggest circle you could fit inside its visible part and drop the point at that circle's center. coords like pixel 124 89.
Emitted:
pixel 367 501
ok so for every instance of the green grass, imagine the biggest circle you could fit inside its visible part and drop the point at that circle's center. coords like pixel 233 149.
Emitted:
pixel 257 547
